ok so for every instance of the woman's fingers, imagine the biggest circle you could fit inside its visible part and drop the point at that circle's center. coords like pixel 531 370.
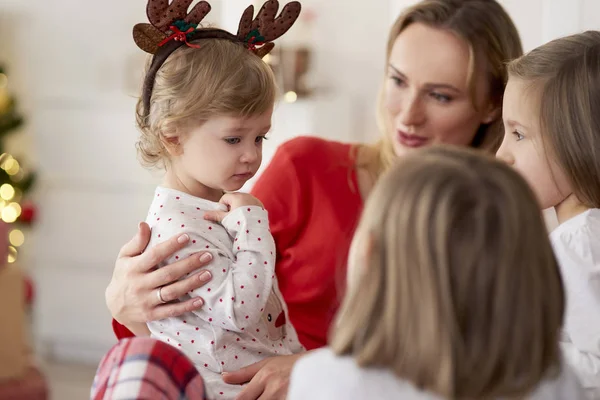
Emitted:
pixel 178 289
pixel 170 310
pixel 173 272
pixel 269 378
pixel 156 254
pixel 243 375
pixel 138 243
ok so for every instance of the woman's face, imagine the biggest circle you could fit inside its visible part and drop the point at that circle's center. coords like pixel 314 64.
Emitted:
pixel 426 94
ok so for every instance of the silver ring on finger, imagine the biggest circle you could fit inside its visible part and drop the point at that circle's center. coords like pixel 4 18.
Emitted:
pixel 158 294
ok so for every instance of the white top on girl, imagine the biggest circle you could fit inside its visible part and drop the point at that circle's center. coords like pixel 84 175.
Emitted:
pixel 322 375
pixel 244 318
pixel 576 243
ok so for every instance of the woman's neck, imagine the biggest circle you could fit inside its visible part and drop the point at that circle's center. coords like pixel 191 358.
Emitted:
pixel 569 208
pixel 175 181
pixel 365 163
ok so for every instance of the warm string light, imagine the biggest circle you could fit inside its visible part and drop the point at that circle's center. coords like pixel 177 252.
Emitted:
pixel 12 254
pixel 290 97
pixel 16 238
pixel 11 212
pixel 10 209
pixel 4 158
pixel 7 192
pixel 10 165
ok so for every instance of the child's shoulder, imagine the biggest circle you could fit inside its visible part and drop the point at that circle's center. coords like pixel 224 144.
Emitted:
pixel 321 361
pixel 171 199
pixel 322 374
pixel 585 225
pixel 178 210
pixel 563 385
pixel 578 238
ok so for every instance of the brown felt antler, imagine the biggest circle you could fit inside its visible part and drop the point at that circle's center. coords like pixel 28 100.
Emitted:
pixel 162 16
pixel 267 25
pixel 171 26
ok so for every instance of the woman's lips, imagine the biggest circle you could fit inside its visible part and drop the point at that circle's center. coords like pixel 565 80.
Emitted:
pixel 409 140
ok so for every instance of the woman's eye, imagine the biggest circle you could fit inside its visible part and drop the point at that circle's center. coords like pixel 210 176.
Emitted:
pixel 442 98
pixel 397 81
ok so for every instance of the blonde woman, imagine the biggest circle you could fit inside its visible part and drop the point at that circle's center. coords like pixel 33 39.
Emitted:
pixel 445 74
pixel 453 292
pixel 552 137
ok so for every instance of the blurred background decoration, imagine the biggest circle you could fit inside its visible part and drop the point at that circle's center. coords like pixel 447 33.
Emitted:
pixel 19 376
pixel 292 60
pixel 16 181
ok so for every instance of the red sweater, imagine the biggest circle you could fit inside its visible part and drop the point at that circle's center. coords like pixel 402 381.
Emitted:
pixel 311 192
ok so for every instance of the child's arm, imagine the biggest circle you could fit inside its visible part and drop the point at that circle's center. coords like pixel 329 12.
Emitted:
pixel 240 286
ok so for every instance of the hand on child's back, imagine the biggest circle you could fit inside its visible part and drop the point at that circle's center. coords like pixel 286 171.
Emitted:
pixel 232 201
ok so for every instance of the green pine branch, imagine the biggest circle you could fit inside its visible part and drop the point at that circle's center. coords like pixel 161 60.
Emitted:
pixel 10 120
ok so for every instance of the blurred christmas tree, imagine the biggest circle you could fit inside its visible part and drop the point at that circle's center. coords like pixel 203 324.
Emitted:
pixel 15 182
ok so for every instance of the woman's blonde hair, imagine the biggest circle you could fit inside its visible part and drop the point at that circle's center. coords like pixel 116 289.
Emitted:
pixel 452 281
pixel 493 40
pixel 565 74
pixel 193 85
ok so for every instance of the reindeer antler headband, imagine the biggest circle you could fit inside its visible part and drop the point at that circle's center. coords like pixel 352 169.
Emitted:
pixel 171 26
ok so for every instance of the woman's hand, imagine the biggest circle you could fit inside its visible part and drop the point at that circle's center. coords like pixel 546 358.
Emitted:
pixel 131 295
pixel 267 379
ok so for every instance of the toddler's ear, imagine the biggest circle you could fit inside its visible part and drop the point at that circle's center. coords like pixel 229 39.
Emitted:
pixel 172 143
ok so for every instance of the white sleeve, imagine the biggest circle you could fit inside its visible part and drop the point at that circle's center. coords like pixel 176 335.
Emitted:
pixel 242 277
pixel 581 277
pixel 237 294
pixel 585 364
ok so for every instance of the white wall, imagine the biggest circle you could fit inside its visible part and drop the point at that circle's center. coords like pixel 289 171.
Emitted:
pixel 75 69
pixel 539 21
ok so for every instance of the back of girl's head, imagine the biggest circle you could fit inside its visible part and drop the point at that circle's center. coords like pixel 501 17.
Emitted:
pixel 194 85
pixel 565 73
pixel 493 40
pixel 453 284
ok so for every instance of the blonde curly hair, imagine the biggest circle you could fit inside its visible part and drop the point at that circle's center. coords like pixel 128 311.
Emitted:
pixel 194 85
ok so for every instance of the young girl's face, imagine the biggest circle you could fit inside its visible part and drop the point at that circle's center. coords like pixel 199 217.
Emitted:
pixel 523 148
pixel 222 153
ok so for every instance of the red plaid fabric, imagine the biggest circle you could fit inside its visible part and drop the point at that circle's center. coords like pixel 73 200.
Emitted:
pixel 144 368
pixel 31 386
